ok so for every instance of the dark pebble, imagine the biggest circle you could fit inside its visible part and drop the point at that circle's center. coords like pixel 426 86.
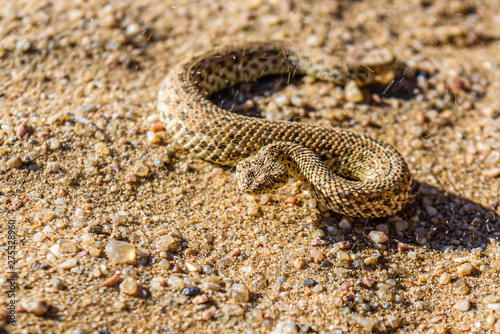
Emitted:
pixel 309 282
pixel 192 291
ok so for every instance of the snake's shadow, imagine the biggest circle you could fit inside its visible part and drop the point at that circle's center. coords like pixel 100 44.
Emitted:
pixel 432 218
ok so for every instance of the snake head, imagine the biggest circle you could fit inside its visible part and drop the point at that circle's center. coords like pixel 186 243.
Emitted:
pixel 261 174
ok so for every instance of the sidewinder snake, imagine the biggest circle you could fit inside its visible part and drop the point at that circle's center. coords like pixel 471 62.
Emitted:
pixel 346 171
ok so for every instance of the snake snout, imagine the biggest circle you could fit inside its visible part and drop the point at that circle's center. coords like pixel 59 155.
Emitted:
pixel 259 175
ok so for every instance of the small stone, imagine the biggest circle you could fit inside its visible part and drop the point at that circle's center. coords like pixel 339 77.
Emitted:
pixel 53 167
pixel 87 108
pixel 368 282
pixel 285 327
pixel 402 225
pixel 345 224
pixel 299 263
pixel 102 149
pixel 152 137
pixel 378 237
pixel 431 211
pixel 366 322
pixel 317 255
pixel 176 283
pixel 352 92
pixel 54 144
pixel 402 247
pixel 318 242
pixel 230 310
pixel 201 299
pixel 120 251
pixel 177 190
pixel 24 131
pixel 192 268
pixel 239 292
pixel 157 127
pixel 165 243
pixel 158 283
pixel 496 264
pixel 492 172
pixel 23 45
pixel 465 269
pixel 58 284
pixel 445 278
pixel 370 261
pixel 130 178
pixel 129 286
pixel 456 84
pixel 36 306
pixel 68 264
pixel 211 286
pixel 191 291
pixel 15 162
pixel 463 305
pixel 141 171
pixel 112 281
pixel 132 29
pixel 309 282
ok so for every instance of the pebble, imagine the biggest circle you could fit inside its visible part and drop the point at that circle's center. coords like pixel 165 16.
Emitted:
pixel 345 224
pixel 15 162
pixel 129 286
pixel 58 284
pixel 191 291
pixel 165 243
pixel 211 286
pixel 463 305
pixel 176 283
pixel 54 144
pixel 240 293
pixel 192 268
pixel 309 282
pixel 492 172
pixel 352 92
pixel 299 263
pixel 152 137
pixel 370 261
pixel 120 251
pixel 201 299
pixel 23 45
pixel 53 167
pixel 285 327
pixel 230 310
pixel 24 131
pixel 317 255
pixel 36 306
pixel 68 264
pixel 445 278
pixel 133 29
pixel 465 269
pixel 378 237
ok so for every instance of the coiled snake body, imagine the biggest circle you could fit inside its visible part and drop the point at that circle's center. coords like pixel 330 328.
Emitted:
pixel 348 172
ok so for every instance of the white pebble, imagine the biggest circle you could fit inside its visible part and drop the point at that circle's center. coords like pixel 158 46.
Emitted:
pixel 120 251
pixel 378 237
pixel 352 92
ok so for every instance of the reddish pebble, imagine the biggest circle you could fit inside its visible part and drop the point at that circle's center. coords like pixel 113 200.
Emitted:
pixel 377 98
pixel 130 178
pixel 456 84
pixel 318 242
pixel 368 282
pixel 111 281
pixel 345 286
pixel 291 200
pixel 59 74
pixel 343 244
pixel 24 131
pixel 82 253
pixel 235 253
pixel 262 264
pixel 157 127
pixel 403 247
pixel 176 269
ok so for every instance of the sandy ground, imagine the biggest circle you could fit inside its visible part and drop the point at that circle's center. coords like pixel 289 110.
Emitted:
pixel 84 163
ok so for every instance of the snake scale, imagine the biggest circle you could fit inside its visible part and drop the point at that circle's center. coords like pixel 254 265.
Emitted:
pixel 346 171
